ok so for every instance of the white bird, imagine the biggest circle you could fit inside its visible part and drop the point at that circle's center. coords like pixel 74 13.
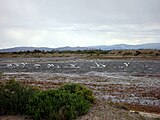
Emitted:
pixel 58 66
pixel 97 64
pixel 73 65
pixel 9 65
pixel 49 65
pixel 23 64
pixel 120 67
pixel 16 64
pixel 103 65
pixel 37 65
pixel 126 64
pixel 52 65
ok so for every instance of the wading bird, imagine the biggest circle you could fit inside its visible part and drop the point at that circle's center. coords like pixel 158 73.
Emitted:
pixel 9 65
pixel 97 64
pixel 126 64
pixel 37 65
pixel 73 65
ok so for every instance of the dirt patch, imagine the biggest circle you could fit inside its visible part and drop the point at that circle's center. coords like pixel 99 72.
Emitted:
pixel 15 117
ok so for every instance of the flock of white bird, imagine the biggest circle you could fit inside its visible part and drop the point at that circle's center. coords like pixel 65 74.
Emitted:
pixel 97 65
pixel 16 65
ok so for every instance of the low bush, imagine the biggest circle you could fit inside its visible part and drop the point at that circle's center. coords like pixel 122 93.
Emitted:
pixel 65 103
pixel 14 97
pixel 127 53
pixel 80 90
pixel 57 105
pixel 137 53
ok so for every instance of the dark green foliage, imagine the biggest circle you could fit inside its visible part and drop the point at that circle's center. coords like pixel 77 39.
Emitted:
pixel 157 54
pixel 137 53
pixel 65 103
pixel 94 51
pixel 14 97
pixel 57 105
pixel 80 90
pixel 119 52
pixel 127 53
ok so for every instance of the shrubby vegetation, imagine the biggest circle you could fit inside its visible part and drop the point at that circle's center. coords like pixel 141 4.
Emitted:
pixel 97 52
pixel 93 54
pixel 79 90
pixel 64 103
pixel 14 97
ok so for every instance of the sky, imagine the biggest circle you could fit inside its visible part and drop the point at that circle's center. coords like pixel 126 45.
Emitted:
pixel 59 23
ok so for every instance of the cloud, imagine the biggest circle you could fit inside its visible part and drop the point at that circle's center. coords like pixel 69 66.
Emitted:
pixel 81 11
pixel 79 35
pixel 55 23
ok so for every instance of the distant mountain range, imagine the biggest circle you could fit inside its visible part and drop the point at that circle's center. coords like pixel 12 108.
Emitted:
pixel 102 47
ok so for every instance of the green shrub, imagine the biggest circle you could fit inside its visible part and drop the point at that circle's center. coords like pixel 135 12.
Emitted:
pixel 80 90
pixel 65 103
pixel 137 53
pixel 127 53
pixel 14 97
pixel 57 105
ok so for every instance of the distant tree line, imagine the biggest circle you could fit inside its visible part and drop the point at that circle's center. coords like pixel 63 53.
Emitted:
pixel 96 51
pixel 91 52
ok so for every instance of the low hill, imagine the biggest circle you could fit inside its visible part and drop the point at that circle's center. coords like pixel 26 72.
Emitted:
pixel 102 47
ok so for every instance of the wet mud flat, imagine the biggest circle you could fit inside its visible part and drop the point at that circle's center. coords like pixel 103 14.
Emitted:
pixel 133 82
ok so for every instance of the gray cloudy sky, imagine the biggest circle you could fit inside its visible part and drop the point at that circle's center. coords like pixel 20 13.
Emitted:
pixel 55 23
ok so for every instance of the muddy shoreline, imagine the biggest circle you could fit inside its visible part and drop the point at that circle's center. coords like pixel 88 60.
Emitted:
pixel 134 82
